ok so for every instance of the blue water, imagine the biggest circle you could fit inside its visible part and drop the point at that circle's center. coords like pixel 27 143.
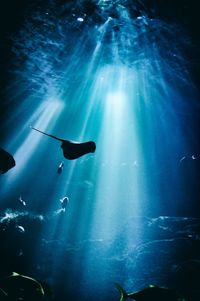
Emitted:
pixel 98 73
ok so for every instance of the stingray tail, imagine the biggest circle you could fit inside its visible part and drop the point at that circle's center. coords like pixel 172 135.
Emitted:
pixel 54 137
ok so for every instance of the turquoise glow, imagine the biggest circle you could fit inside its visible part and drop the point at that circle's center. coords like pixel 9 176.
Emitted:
pixel 121 84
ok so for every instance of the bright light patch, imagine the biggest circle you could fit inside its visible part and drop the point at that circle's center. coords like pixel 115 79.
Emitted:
pixel 43 119
pixel 80 19
pixel 116 100
pixel 44 122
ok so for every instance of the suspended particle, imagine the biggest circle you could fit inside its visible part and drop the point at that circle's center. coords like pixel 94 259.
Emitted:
pixel 80 19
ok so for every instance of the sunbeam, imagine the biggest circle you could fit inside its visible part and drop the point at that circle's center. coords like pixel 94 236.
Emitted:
pixel 115 73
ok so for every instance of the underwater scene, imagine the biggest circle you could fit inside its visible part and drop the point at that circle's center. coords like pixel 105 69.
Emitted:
pixel 99 150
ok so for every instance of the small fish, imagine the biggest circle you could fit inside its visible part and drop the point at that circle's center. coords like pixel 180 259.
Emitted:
pixel 182 159
pixel 60 168
pixel 20 228
pixel 22 202
pixel 195 157
pixel 64 202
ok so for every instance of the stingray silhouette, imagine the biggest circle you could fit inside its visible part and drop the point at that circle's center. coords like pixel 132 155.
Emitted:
pixel 6 161
pixel 72 150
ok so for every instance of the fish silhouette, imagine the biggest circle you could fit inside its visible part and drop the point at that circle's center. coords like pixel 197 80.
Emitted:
pixel 21 287
pixel 151 293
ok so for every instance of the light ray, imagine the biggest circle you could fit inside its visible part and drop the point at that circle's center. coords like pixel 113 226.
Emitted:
pixel 118 82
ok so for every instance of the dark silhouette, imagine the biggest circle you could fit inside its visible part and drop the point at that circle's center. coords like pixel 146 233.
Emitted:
pixel 20 287
pixel 6 161
pixel 151 293
pixel 73 150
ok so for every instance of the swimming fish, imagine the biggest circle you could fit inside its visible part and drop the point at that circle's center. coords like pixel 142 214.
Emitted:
pixel 151 293
pixel 73 150
pixel 21 287
pixel 6 161
pixel 64 202
pixel 22 202
pixel 60 168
